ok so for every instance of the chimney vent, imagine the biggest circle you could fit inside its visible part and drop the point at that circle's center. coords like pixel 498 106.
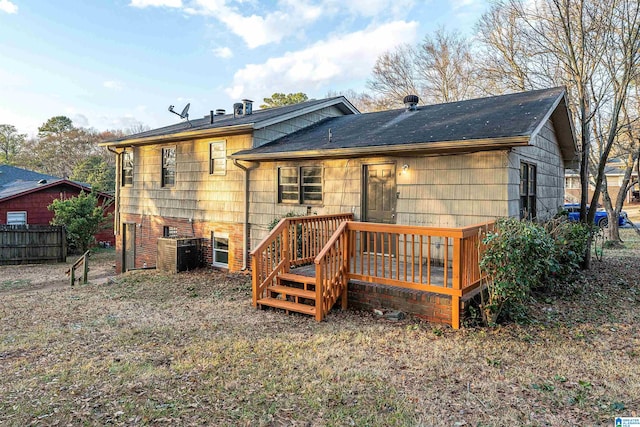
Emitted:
pixel 247 105
pixel 220 112
pixel 411 102
pixel 238 109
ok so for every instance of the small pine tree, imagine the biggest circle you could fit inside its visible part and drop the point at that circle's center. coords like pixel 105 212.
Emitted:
pixel 82 216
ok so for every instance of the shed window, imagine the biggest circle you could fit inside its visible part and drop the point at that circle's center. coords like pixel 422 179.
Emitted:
pixel 168 166
pixel 220 249
pixel 528 181
pixel 301 185
pixel 127 167
pixel 17 218
pixel 218 158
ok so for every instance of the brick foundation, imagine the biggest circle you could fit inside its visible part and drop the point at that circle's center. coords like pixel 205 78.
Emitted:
pixel 430 306
pixel 150 228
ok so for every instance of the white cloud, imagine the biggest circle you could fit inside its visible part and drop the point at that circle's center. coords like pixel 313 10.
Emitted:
pixel 8 7
pixel 340 58
pixel 373 8
pixel 155 3
pixel 256 30
pixel 223 52
pixel 80 120
pixel 113 84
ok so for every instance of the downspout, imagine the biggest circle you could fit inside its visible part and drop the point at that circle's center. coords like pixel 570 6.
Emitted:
pixel 116 219
pixel 245 212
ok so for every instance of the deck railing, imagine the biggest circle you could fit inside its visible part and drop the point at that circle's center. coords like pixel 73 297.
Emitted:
pixel 438 260
pixel 293 242
pixel 332 272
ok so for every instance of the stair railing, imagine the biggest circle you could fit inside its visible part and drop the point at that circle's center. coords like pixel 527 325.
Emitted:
pixel 293 242
pixel 332 275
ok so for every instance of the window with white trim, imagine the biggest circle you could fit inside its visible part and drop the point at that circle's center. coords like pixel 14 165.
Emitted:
pixel 220 250
pixel 17 218
pixel 127 167
pixel 168 166
pixel 218 158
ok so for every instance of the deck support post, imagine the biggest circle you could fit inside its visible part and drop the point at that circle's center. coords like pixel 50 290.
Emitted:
pixel 455 312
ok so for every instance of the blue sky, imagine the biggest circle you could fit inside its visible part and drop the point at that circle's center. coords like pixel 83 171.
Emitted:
pixel 111 64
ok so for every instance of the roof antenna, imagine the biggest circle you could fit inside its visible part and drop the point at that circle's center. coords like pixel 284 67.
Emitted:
pixel 184 114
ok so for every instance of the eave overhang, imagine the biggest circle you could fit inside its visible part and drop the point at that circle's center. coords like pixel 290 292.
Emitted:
pixel 181 136
pixel 434 148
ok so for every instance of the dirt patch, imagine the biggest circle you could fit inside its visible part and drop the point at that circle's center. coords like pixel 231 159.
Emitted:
pixel 30 277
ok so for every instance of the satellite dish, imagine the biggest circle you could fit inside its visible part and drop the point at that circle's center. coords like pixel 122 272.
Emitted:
pixel 184 114
pixel 185 111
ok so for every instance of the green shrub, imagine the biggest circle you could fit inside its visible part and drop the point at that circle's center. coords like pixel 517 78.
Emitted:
pixel 570 246
pixel 518 255
pixel 522 256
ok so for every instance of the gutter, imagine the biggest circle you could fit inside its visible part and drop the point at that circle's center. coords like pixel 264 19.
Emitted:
pixel 376 150
pixel 245 212
pixel 116 196
pixel 159 139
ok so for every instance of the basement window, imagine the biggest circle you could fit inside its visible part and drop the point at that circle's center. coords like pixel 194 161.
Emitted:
pixel 218 158
pixel 220 250
pixel 300 185
pixel 528 181
pixel 168 166
pixel 127 167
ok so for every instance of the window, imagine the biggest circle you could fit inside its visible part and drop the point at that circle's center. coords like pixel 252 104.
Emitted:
pixel 168 231
pixel 527 190
pixel 218 158
pixel 168 166
pixel 572 182
pixel 127 167
pixel 220 249
pixel 300 184
pixel 17 218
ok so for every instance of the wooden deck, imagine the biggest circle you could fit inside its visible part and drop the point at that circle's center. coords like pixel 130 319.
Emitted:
pixel 436 278
pixel 318 255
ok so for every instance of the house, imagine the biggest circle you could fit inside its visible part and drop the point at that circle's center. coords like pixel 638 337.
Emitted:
pixel 25 196
pixel 614 172
pixel 225 178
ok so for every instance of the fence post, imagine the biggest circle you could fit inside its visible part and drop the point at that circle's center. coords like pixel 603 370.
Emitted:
pixel 85 267
pixel 72 275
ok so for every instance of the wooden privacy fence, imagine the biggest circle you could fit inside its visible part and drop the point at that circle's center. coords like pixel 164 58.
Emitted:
pixel 27 244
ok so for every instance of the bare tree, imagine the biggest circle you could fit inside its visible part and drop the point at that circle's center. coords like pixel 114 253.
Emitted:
pixel 393 75
pixel 440 69
pixel 364 102
pixel 590 46
pixel 444 67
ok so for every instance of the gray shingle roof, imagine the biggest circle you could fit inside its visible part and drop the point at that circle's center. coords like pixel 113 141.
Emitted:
pixel 505 116
pixel 256 118
pixel 11 173
pixel 15 181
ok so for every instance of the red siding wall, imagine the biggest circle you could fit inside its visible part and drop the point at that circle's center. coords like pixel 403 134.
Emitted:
pixel 150 228
pixel 35 204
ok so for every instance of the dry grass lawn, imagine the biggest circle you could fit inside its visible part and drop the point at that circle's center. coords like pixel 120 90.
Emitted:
pixel 152 349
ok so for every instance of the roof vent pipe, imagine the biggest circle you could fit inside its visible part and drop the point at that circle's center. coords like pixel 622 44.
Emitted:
pixel 247 105
pixel 238 109
pixel 220 112
pixel 411 102
pixel 211 116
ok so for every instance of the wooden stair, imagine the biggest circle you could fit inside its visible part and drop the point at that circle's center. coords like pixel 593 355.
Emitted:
pixel 292 294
